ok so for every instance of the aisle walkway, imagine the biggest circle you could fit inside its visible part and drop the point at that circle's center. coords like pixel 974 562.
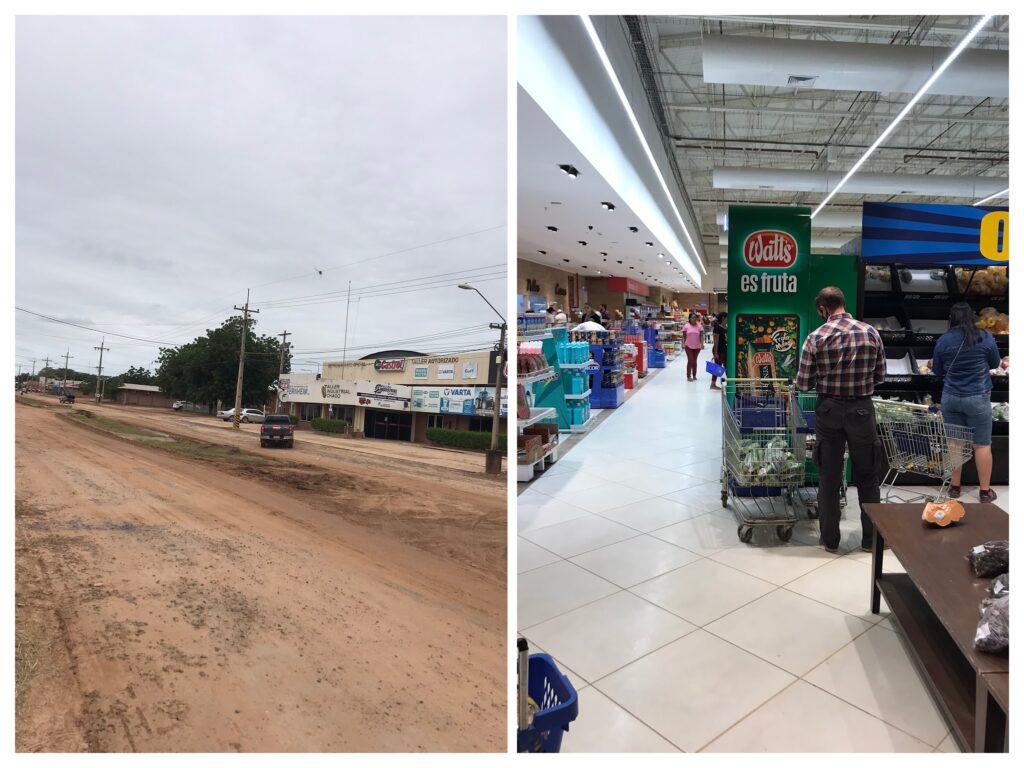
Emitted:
pixel 679 637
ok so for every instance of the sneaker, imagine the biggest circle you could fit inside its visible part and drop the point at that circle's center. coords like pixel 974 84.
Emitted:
pixel 954 491
pixel 987 497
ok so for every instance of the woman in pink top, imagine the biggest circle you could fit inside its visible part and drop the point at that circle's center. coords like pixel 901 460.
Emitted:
pixel 693 333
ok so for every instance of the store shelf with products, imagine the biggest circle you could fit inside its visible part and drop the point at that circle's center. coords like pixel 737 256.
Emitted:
pixel 531 324
pixel 535 415
pixel 909 305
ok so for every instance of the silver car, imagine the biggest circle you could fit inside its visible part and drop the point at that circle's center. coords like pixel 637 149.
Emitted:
pixel 251 416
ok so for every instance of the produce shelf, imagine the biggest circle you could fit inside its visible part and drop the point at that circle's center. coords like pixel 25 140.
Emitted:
pixel 532 378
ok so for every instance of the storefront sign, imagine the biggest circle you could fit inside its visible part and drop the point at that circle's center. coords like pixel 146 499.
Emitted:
pixel 421 372
pixel 469 370
pixel 462 401
pixel 286 389
pixel 389 364
pixel 905 233
pixel 384 396
pixel 628 285
pixel 445 372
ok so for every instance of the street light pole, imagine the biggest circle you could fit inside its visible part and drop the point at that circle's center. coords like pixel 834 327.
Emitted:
pixel 494 455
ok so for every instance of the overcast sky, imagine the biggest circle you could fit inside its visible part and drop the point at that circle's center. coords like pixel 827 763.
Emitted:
pixel 164 165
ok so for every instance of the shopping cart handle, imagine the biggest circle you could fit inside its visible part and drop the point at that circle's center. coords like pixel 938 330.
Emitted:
pixel 522 645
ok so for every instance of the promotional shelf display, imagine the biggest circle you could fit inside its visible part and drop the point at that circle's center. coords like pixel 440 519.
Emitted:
pixel 608 389
pixel 530 323
pixel 655 352
pixel 537 445
pixel 635 336
pixel 916 262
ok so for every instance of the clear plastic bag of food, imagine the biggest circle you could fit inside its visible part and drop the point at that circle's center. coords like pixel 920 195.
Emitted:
pixel 993 635
pixel 1000 585
pixel 990 559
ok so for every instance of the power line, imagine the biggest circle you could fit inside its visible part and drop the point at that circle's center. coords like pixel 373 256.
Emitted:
pixel 372 295
pixel 385 255
pixel 94 330
pixel 383 285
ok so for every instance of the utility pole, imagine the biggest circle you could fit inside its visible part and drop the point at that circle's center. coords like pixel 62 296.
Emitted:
pixel 344 345
pixel 493 461
pixel 64 386
pixel 241 359
pixel 99 369
pixel 280 367
pixel 33 374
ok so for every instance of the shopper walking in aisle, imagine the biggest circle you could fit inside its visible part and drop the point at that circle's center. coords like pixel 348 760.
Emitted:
pixel 963 356
pixel 549 320
pixel 693 344
pixel 845 360
pixel 591 315
pixel 560 319
pixel 719 343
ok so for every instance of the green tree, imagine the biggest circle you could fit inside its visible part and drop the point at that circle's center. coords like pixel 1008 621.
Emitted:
pixel 205 370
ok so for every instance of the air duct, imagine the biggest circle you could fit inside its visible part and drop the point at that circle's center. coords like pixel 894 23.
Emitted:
pixel 824 220
pixel 813 64
pixel 974 187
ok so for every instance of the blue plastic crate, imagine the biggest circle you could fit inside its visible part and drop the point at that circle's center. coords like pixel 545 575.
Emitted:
pixel 753 491
pixel 557 706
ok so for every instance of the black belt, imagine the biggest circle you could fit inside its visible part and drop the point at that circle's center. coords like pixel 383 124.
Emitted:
pixel 822 396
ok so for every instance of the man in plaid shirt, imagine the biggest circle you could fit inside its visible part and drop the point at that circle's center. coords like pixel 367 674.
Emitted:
pixel 844 360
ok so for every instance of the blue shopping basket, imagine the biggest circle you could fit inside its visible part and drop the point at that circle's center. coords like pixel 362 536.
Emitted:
pixel 715 369
pixel 556 703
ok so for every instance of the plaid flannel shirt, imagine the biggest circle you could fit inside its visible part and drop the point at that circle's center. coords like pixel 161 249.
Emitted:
pixel 842 358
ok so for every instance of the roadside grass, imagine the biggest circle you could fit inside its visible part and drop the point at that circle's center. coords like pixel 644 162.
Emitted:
pixel 204 451
pixel 26 662
pixel 33 403
pixel 182 446
pixel 111 425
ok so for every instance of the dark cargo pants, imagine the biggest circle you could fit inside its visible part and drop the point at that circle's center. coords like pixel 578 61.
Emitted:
pixel 839 423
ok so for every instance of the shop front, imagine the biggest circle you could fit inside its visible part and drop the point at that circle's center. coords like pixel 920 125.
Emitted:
pixel 398 396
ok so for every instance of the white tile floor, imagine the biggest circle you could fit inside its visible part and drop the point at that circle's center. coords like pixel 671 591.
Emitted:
pixel 678 636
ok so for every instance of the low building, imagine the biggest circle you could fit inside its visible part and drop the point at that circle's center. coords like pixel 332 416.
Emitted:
pixel 398 394
pixel 143 394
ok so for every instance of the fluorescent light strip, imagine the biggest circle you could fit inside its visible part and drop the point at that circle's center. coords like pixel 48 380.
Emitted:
pixel 588 25
pixel 906 110
pixel 1004 193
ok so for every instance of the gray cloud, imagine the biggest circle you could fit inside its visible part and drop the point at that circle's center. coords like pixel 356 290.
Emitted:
pixel 164 165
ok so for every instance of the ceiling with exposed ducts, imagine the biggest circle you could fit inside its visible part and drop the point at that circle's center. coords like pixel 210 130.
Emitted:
pixel 771 110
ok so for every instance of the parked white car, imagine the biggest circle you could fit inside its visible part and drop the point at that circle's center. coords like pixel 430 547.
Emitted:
pixel 252 415
pixel 226 415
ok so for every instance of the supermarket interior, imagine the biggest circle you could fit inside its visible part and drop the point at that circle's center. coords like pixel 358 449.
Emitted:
pixel 694 411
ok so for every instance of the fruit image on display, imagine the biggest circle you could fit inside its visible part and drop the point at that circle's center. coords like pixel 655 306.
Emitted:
pixel 767 346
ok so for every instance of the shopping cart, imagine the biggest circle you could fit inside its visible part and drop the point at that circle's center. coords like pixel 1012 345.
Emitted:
pixel 807 494
pixel 763 454
pixel 918 441
pixel 547 702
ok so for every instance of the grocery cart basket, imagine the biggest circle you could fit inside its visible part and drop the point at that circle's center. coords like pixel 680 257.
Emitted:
pixel 918 440
pixel 763 454
pixel 547 702
pixel 807 494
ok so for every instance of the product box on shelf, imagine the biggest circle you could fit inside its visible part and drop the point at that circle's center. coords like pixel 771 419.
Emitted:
pixel 529 449
pixel 547 432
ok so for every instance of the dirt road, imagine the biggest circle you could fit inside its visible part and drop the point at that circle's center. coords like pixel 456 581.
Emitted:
pixel 253 605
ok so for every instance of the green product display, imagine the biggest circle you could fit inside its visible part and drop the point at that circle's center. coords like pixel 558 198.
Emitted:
pixel 770 286
pixel 551 393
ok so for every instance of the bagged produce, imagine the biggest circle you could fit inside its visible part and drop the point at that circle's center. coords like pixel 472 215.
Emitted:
pixel 993 635
pixel 1000 585
pixel 1000 411
pixel 990 559
pixel 943 513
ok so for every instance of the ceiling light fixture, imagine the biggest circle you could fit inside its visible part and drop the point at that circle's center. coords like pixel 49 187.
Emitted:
pixel 566 261
pixel 608 206
pixel 905 111
pixel 1004 193
pixel 661 255
pixel 603 55
pixel 544 253
pixel 582 242
pixel 569 170
pixel 552 229
pixel 649 244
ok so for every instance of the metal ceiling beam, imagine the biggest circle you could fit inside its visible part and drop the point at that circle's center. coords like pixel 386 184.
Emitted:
pixel 917 117
pixel 826 22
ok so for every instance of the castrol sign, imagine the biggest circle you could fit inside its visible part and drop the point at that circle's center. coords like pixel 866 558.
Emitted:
pixel 769 249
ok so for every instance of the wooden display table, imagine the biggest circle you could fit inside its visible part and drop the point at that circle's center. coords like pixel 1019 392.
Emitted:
pixel 935 603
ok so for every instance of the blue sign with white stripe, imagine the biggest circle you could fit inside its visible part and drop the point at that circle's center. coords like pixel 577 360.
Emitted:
pixel 907 233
